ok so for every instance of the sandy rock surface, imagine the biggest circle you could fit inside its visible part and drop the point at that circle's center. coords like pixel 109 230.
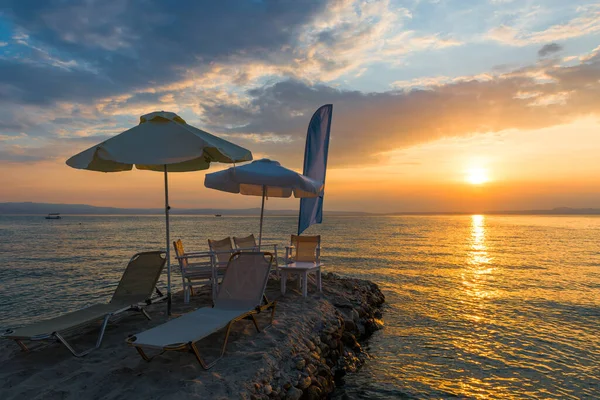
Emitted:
pixel 312 342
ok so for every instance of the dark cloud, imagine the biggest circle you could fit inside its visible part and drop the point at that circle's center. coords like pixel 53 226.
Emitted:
pixel 548 49
pixel 119 46
pixel 53 149
pixel 365 124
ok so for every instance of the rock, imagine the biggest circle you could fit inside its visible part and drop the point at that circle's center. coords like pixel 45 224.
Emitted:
pixel 293 394
pixel 355 315
pixel 313 393
pixel 304 383
pixel 300 364
pixel 349 325
pixel 267 389
pixel 311 369
pixel 257 387
pixel 310 345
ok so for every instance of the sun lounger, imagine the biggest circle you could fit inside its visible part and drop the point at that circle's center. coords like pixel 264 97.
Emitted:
pixel 133 292
pixel 241 296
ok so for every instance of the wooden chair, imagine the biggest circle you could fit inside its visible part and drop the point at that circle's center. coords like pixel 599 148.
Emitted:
pixel 200 271
pixel 302 258
pixel 222 251
pixel 248 243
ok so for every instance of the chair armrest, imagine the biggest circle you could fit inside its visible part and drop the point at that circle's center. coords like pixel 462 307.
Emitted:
pixel 245 248
pixel 193 255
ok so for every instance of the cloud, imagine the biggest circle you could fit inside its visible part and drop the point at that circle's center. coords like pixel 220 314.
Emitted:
pixel 586 22
pixel 548 49
pixel 132 45
pixel 368 124
pixel 257 72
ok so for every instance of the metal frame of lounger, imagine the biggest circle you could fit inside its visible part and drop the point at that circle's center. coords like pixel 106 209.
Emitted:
pixel 191 345
pixel 59 337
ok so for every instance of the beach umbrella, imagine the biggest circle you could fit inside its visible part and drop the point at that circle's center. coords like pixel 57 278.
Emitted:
pixel 162 142
pixel 266 178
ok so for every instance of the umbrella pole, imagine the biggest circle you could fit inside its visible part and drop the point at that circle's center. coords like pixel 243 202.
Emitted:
pixel 262 212
pixel 167 208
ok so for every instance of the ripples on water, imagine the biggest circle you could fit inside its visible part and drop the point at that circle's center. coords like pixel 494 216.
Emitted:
pixel 478 306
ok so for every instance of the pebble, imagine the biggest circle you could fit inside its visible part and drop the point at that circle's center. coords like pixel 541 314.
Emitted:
pixel 304 383
pixel 300 364
pixel 267 389
pixel 313 393
pixel 293 394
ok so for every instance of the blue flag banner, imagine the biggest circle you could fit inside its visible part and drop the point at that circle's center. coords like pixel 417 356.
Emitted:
pixel 315 165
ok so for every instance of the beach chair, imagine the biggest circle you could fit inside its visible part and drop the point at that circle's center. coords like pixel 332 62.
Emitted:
pixel 248 243
pixel 200 270
pixel 240 297
pixel 222 250
pixel 133 292
pixel 302 258
pixel 303 249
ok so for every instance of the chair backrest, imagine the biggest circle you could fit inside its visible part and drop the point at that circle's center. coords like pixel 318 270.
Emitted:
pixel 305 247
pixel 245 281
pixel 140 277
pixel 179 252
pixel 222 248
pixel 246 243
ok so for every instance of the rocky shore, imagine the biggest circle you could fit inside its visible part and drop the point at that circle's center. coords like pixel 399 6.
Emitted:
pixel 322 350
pixel 305 354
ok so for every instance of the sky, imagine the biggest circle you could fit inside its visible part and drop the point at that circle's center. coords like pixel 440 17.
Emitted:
pixel 439 105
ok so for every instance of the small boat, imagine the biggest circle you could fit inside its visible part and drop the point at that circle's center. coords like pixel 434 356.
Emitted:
pixel 53 216
pixel 218 215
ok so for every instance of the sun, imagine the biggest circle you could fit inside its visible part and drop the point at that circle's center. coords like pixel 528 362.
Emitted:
pixel 477 176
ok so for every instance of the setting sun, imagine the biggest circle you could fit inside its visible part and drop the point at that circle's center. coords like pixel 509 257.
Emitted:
pixel 477 176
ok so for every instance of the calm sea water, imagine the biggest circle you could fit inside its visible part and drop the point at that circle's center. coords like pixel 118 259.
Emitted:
pixel 478 306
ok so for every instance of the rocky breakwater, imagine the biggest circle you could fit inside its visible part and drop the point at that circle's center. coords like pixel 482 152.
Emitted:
pixel 319 340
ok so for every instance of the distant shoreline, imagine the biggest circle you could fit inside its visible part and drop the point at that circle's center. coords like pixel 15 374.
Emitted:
pixel 30 208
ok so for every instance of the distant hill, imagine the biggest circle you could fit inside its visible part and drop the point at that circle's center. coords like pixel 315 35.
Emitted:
pixel 45 208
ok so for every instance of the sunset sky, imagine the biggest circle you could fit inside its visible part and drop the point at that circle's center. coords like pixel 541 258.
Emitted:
pixel 439 105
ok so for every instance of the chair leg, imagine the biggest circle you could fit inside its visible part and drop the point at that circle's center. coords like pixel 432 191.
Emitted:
pixel 196 352
pixel 186 293
pixel 319 281
pixel 85 352
pixel 143 311
pixel 273 306
pixel 305 284
pixel 253 318
pixel 144 356
pixel 22 345
pixel 283 281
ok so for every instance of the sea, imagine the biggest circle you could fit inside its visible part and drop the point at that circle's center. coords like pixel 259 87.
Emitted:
pixel 478 306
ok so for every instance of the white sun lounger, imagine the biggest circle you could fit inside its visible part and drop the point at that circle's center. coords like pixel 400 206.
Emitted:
pixel 134 291
pixel 240 296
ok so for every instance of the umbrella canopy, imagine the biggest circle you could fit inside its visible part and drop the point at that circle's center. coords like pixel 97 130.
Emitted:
pixel 164 142
pixel 162 138
pixel 266 178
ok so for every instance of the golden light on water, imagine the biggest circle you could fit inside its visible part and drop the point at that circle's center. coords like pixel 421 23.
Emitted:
pixel 477 176
pixel 475 277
